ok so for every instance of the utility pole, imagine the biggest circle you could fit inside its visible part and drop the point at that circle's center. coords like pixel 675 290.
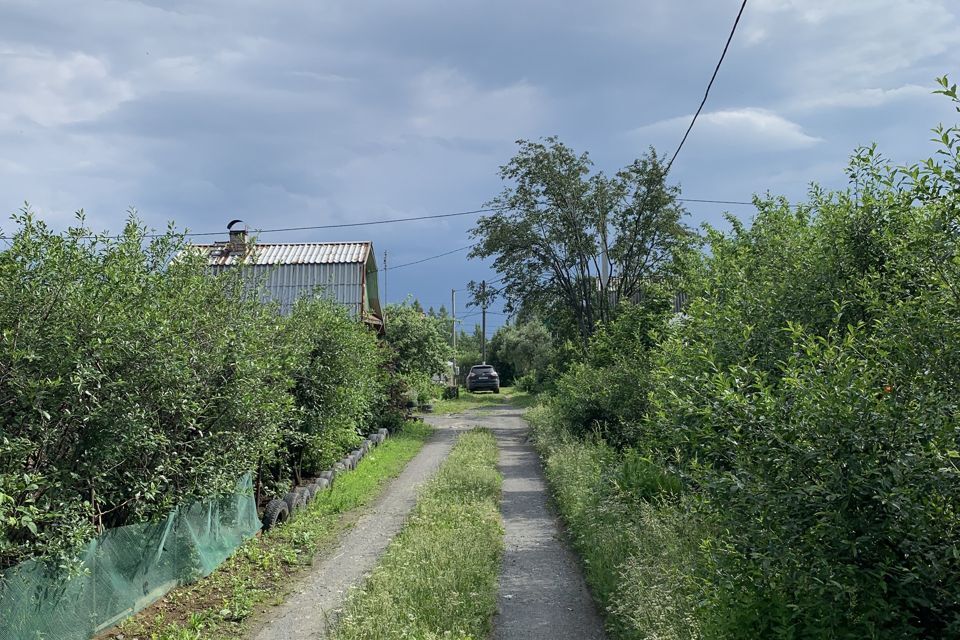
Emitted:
pixel 384 289
pixel 453 329
pixel 483 301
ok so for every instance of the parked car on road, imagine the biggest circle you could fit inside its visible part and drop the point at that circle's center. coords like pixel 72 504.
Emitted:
pixel 483 377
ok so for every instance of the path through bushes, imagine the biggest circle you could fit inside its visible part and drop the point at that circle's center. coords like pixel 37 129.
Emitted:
pixel 542 593
pixel 305 613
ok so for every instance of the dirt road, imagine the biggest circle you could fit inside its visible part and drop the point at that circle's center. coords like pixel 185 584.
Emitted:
pixel 306 613
pixel 542 594
pixel 542 591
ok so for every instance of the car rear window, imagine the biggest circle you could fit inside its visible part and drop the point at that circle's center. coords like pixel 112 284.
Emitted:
pixel 483 369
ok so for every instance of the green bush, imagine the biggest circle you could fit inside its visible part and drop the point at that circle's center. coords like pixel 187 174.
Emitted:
pixel 805 406
pixel 640 557
pixel 337 382
pixel 418 340
pixel 605 392
pixel 131 382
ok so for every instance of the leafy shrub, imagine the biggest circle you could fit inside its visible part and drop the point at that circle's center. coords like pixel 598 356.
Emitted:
pixel 418 340
pixel 336 383
pixel 637 477
pixel 423 390
pixel 131 382
pixel 527 383
pixel 605 392
pixel 641 558
pixel 807 404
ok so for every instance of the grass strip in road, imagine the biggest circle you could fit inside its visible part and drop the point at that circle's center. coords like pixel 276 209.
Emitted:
pixel 263 569
pixel 438 578
pixel 468 401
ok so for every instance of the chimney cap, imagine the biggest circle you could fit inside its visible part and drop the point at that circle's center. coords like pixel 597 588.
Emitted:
pixel 231 223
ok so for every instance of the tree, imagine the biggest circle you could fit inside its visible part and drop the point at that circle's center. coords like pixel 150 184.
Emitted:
pixel 419 340
pixel 525 348
pixel 561 236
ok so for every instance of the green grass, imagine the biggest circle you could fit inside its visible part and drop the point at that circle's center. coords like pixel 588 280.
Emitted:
pixel 468 401
pixel 639 557
pixel 438 578
pixel 263 569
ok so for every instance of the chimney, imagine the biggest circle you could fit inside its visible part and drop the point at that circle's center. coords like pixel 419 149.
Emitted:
pixel 238 237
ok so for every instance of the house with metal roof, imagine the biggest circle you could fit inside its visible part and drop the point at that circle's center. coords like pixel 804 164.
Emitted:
pixel 345 272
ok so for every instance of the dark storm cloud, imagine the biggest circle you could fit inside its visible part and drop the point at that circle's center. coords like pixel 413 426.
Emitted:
pixel 298 113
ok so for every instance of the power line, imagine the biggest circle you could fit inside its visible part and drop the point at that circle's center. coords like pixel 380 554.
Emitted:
pixel 439 255
pixel 368 223
pixel 709 86
pixel 344 225
pixel 703 200
pixel 501 279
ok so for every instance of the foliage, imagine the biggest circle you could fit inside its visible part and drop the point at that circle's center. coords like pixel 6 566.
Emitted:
pixel 438 578
pixel 131 382
pixel 422 389
pixel 418 340
pixel 562 237
pixel 337 380
pixel 605 391
pixel 221 605
pixel 639 555
pixel 806 403
pixel 524 349
pixel 126 384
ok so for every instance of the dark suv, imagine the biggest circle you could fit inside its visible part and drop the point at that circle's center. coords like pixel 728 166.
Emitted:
pixel 483 377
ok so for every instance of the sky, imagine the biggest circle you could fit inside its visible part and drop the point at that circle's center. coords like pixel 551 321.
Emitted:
pixel 303 113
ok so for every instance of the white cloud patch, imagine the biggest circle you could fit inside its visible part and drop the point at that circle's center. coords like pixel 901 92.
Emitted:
pixel 849 45
pixel 55 90
pixel 447 105
pixel 864 98
pixel 758 129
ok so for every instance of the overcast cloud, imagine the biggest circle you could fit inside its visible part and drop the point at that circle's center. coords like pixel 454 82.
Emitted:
pixel 299 113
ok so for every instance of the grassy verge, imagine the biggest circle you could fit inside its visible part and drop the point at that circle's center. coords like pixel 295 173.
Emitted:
pixel 639 556
pixel 263 569
pixel 438 579
pixel 467 401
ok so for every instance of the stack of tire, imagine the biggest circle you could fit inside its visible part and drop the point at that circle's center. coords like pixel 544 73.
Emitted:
pixel 279 510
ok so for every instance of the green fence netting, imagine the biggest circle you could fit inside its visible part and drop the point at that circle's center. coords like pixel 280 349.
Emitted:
pixel 124 570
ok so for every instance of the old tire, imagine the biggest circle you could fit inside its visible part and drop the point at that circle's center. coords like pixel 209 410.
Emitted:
pixel 384 432
pixel 305 495
pixel 311 490
pixel 328 475
pixel 294 500
pixel 321 484
pixel 277 512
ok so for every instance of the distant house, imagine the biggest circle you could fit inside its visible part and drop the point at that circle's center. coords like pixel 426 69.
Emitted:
pixel 345 272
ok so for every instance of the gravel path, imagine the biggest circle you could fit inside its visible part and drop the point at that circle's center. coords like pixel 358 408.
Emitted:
pixel 305 613
pixel 542 591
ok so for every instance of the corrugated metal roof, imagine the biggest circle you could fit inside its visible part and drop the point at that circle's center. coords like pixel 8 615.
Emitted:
pixel 288 253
